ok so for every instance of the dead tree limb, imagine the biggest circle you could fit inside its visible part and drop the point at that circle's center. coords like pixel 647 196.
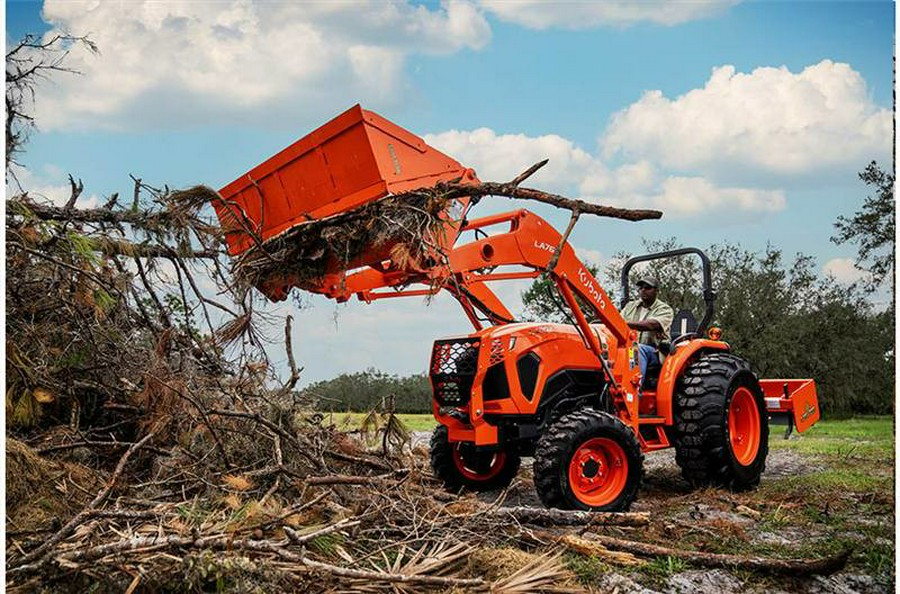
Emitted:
pixel 591 548
pixel 49 212
pixel 298 538
pixel 289 349
pixel 349 480
pixel 562 242
pixel 528 172
pixel 510 190
pixel 401 578
pixel 72 524
pixel 374 463
pixel 559 517
pixel 823 566
pixel 227 542
pixel 301 447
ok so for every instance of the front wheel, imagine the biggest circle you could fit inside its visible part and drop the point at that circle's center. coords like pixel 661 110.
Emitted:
pixel 588 460
pixel 460 466
pixel 721 423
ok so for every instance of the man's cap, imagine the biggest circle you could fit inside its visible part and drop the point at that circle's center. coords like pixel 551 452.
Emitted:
pixel 650 281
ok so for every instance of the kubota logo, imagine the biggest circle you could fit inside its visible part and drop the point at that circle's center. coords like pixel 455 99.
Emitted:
pixel 585 279
pixel 808 411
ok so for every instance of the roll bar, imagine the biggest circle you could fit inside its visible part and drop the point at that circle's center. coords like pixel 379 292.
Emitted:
pixel 709 295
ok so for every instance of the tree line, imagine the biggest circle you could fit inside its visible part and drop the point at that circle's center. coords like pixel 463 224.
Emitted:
pixel 368 390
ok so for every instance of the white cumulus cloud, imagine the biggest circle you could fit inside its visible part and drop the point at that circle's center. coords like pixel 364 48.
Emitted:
pixel 770 119
pixel 179 62
pixel 844 270
pixel 575 172
pixel 501 157
pixel 687 196
pixel 590 256
pixel 50 184
pixel 540 14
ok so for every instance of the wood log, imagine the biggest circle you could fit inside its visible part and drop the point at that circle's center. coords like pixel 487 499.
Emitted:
pixel 798 567
pixel 595 549
pixel 559 517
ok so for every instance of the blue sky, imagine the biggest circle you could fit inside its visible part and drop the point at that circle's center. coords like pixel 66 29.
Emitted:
pixel 742 121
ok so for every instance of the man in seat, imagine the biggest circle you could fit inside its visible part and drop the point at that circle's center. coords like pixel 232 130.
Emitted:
pixel 652 318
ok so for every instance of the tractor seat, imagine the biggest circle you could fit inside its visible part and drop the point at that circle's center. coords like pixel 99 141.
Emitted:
pixel 683 323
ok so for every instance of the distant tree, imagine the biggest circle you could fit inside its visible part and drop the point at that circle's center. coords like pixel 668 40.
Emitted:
pixel 872 228
pixel 542 303
pixel 370 390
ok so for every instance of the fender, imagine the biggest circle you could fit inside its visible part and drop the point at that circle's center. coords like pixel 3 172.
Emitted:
pixel 673 368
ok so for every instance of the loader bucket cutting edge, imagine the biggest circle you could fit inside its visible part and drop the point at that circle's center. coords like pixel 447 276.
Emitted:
pixel 356 158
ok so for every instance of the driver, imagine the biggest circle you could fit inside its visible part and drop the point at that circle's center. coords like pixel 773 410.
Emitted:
pixel 651 318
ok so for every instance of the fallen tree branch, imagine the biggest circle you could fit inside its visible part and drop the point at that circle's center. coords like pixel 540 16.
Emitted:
pixel 559 517
pixel 823 566
pixel 302 448
pixel 289 349
pixel 511 190
pixel 430 580
pixel 95 444
pixel 49 212
pixel 298 538
pixel 358 460
pixel 595 549
pixel 71 525
pixel 352 480
pixel 227 542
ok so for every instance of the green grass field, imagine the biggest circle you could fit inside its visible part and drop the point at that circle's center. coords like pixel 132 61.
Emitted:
pixel 863 436
pixel 352 420
pixel 866 436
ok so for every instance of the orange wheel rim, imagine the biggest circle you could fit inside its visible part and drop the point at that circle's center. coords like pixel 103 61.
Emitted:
pixel 598 471
pixel 743 426
pixel 478 470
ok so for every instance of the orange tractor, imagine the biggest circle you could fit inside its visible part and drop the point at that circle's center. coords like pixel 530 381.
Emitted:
pixel 569 395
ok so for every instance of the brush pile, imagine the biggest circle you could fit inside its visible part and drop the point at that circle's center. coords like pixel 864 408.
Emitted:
pixel 407 228
pixel 150 445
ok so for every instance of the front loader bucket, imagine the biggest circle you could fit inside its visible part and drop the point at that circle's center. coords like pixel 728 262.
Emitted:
pixel 356 158
pixel 792 400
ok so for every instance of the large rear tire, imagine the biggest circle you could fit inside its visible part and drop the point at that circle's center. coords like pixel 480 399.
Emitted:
pixel 588 460
pixel 460 466
pixel 721 424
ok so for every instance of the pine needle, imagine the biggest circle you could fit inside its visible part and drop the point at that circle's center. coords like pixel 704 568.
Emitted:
pixel 546 574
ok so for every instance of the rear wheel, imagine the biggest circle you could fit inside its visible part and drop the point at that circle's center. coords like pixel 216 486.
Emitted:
pixel 459 465
pixel 721 423
pixel 588 460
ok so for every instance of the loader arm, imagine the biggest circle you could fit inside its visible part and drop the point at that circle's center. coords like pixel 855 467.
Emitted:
pixel 529 244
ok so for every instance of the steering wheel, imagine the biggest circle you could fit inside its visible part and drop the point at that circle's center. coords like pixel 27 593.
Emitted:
pixel 682 337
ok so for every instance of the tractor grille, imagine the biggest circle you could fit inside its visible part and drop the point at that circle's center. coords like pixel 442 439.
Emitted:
pixel 496 351
pixel 453 367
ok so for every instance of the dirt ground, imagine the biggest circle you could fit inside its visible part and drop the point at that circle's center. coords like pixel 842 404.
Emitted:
pixel 796 512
